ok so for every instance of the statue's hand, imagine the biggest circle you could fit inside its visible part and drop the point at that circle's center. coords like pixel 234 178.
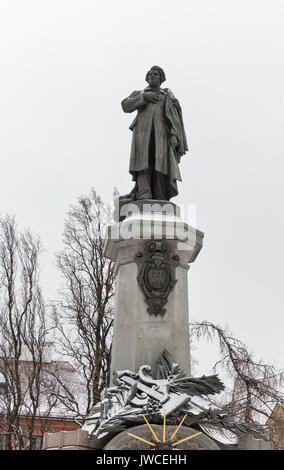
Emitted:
pixel 173 141
pixel 152 97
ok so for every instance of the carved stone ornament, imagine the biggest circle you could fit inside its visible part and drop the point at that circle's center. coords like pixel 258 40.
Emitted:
pixel 156 275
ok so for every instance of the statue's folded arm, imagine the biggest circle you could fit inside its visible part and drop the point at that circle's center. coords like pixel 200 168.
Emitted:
pixel 134 101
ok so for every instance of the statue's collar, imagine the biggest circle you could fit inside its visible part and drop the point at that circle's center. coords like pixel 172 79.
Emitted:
pixel 160 90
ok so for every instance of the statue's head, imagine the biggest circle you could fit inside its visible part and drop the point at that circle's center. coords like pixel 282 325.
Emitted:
pixel 155 76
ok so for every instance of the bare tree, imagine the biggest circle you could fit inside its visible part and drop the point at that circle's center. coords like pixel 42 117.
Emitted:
pixel 254 386
pixel 23 332
pixel 84 314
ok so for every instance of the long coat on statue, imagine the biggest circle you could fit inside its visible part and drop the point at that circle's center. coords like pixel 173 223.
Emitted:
pixel 156 121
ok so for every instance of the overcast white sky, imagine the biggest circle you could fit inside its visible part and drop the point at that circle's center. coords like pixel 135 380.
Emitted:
pixel 65 67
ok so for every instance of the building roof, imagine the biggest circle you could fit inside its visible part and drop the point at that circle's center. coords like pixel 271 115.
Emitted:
pixel 62 391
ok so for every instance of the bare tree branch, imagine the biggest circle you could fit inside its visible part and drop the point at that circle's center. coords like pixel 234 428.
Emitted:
pixel 23 332
pixel 254 386
pixel 84 311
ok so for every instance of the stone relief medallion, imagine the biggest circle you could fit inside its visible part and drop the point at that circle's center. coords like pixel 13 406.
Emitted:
pixel 156 275
pixel 159 437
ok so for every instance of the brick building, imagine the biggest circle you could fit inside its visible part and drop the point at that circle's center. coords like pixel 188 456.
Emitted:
pixel 57 408
pixel 275 425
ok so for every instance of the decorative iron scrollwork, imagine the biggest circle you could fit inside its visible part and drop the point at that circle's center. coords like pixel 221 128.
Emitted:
pixel 156 275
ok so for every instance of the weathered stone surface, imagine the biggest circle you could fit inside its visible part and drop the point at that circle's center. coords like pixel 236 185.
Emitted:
pixel 70 440
pixel 249 442
pixel 125 442
pixel 139 337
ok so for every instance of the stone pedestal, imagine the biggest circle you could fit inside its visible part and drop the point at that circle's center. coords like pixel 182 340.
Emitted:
pixel 139 336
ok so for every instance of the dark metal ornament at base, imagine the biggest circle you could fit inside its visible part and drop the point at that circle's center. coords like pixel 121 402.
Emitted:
pixel 167 394
pixel 156 275
pixel 123 441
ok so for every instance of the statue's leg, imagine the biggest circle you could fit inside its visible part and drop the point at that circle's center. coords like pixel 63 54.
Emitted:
pixel 160 190
pixel 143 185
pixel 131 196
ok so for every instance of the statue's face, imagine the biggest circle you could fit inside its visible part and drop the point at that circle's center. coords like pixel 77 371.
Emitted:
pixel 154 78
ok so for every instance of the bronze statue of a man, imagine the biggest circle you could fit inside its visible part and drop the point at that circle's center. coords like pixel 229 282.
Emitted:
pixel 158 139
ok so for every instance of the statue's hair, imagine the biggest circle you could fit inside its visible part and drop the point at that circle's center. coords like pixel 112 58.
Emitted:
pixel 160 70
